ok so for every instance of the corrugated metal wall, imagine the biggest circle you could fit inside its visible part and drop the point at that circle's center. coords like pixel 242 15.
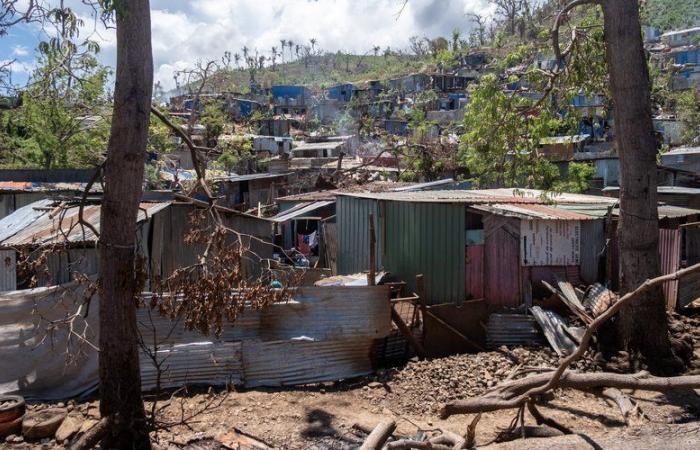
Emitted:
pixel 670 251
pixel 353 234
pixel 474 267
pixel 8 270
pixel 427 238
pixel 412 238
pixel 502 258
pixel 592 246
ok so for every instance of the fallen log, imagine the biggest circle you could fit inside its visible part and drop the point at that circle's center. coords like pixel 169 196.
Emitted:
pixel 409 444
pixel 379 435
pixel 570 380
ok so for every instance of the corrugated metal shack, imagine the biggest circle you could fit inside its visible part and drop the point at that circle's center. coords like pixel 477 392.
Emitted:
pixel 246 191
pixel 321 334
pixel 162 230
pixel 492 244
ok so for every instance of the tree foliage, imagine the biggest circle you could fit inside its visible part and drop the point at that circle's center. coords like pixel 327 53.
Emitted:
pixel 63 120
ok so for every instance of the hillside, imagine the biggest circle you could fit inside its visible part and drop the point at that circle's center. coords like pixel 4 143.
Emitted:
pixel 320 71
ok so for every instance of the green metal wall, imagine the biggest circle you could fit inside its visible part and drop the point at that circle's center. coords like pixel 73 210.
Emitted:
pixel 352 217
pixel 427 238
pixel 412 238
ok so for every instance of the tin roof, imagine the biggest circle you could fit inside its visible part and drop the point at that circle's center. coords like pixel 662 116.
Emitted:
pixel 487 196
pixel 318 145
pixel 375 186
pixel 34 186
pixel 300 210
pixel 35 224
pixel 531 212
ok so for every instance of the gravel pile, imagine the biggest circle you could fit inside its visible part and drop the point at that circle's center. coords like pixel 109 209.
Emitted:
pixel 429 384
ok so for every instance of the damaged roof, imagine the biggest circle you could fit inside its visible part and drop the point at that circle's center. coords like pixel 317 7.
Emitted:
pixel 42 222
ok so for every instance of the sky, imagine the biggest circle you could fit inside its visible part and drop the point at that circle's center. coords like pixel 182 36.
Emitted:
pixel 184 31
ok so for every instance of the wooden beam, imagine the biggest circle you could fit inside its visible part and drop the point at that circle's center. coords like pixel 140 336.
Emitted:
pixel 403 328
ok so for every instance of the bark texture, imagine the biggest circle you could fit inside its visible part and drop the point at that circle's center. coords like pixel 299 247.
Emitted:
pixel 643 325
pixel 120 380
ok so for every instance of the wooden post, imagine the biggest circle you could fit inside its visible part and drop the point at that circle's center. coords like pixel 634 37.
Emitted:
pixel 422 301
pixel 403 328
pixel 371 277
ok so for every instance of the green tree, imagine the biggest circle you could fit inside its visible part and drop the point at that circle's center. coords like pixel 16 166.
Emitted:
pixel 213 119
pixel 64 117
pixel 688 113
pixel 497 147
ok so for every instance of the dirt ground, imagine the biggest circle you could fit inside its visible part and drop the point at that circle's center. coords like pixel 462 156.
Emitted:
pixel 322 416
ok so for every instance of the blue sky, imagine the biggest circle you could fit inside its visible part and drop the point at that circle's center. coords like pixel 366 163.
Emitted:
pixel 184 31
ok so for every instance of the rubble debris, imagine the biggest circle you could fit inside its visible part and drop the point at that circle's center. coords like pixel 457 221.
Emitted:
pixel 598 299
pixel 42 424
pixel 554 328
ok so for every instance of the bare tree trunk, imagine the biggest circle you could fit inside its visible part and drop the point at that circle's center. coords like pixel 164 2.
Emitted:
pixel 643 325
pixel 120 380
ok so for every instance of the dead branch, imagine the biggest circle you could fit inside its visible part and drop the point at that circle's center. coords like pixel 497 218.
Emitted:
pixel 630 410
pixel 408 444
pixel 379 435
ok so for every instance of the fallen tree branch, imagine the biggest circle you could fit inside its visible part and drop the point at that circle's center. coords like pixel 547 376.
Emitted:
pixel 379 435
pixel 408 444
pixel 631 412
pixel 570 380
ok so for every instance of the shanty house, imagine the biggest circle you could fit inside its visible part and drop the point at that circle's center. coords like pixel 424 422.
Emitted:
pixel 247 191
pixel 686 158
pixel 341 92
pixel 72 248
pixel 491 244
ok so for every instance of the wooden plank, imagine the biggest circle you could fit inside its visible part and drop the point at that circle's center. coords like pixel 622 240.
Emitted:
pixel 567 295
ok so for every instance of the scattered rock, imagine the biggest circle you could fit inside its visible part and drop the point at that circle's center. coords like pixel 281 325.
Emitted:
pixel 85 426
pixel 68 428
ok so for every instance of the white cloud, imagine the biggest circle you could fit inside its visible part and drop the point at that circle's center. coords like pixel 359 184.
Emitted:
pixel 205 29
pixel 20 50
pixel 185 31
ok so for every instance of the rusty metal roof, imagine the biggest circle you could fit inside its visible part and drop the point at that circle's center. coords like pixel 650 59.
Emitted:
pixel 41 223
pixel 531 212
pixel 487 196
pixel 33 186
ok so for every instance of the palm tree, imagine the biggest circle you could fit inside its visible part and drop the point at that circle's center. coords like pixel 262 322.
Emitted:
pixel 455 39
pixel 237 60
pixel 283 42
pixel 273 57
pixel 313 44
pixel 376 49
pixel 245 52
